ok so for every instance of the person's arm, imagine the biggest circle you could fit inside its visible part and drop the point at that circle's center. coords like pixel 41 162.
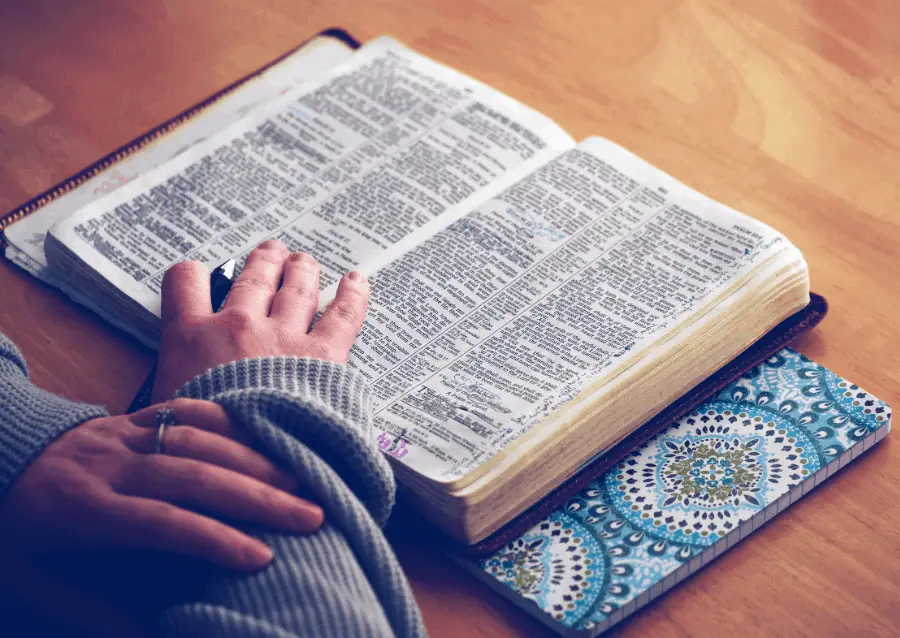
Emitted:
pixel 311 415
pixel 72 476
pixel 30 418
pixel 103 484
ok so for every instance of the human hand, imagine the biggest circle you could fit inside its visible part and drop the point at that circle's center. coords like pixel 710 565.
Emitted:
pixel 268 313
pixel 101 484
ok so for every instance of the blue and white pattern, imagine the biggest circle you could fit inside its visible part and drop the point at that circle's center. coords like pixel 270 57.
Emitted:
pixel 687 488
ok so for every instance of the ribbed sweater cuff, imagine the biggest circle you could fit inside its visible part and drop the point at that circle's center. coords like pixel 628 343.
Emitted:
pixel 325 384
pixel 31 419
pixel 324 405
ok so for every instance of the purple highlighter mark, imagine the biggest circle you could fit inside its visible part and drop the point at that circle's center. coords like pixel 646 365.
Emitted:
pixel 393 445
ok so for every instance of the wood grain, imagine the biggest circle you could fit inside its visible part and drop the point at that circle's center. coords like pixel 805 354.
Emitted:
pixel 789 111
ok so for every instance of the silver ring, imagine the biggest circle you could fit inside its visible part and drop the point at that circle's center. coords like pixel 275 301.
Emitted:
pixel 164 418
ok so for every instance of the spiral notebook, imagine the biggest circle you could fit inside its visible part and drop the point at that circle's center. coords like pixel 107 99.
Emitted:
pixel 708 481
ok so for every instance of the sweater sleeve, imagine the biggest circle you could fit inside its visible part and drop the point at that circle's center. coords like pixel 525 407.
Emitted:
pixel 30 418
pixel 313 417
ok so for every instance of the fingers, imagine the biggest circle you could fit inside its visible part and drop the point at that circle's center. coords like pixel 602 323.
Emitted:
pixel 298 296
pixel 185 292
pixel 220 492
pixel 149 524
pixel 343 319
pixel 207 435
pixel 188 442
pixel 200 414
pixel 255 287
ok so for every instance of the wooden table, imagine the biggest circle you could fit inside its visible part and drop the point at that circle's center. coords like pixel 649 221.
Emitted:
pixel 789 111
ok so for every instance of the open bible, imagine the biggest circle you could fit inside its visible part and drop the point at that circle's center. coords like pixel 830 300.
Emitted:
pixel 535 300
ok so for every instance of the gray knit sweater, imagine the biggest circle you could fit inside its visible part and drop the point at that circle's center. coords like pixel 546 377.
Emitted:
pixel 311 416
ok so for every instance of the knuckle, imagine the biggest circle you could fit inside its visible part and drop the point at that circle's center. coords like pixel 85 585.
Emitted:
pixel 269 253
pixel 196 474
pixel 272 244
pixel 200 476
pixel 269 498
pixel 90 446
pixel 186 270
pixel 250 282
pixel 304 260
pixel 203 416
pixel 140 439
pixel 186 267
pixel 346 311
pixel 81 489
pixel 158 471
pixel 201 479
pixel 302 292
pixel 320 350
pixel 271 258
pixel 183 439
pixel 355 296
pixel 199 416
pixel 238 321
pixel 187 324
pixel 101 428
pixel 182 405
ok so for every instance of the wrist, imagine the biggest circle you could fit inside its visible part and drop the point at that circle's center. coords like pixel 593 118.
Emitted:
pixel 31 420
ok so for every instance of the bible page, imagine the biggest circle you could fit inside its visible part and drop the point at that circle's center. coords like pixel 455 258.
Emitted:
pixel 341 168
pixel 482 331
pixel 26 237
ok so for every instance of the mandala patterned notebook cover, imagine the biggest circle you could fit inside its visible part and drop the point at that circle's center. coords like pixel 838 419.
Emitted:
pixel 688 495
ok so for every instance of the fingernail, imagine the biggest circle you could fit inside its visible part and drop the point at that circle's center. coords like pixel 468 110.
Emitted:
pixel 257 555
pixel 355 275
